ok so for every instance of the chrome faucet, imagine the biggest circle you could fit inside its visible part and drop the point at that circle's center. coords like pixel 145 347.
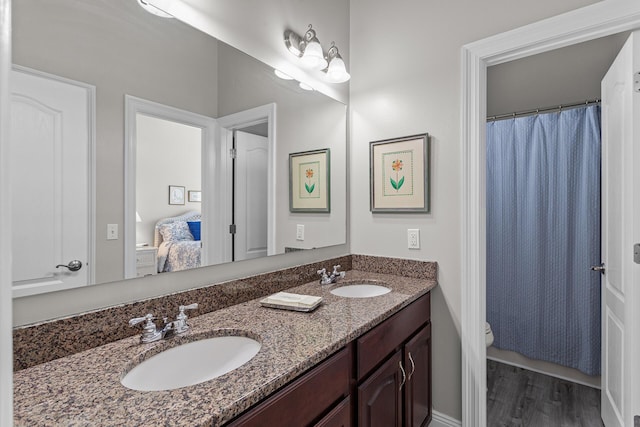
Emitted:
pixel 326 279
pixel 151 333
pixel 180 324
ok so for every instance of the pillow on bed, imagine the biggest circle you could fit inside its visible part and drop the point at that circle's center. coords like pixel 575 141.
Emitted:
pixel 175 231
pixel 194 228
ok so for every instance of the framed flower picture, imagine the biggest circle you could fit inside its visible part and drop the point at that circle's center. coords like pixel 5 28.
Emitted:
pixel 399 175
pixel 309 183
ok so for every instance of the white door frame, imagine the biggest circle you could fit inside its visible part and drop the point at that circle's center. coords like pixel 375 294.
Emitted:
pixel 241 120
pixel 588 23
pixel 134 106
pixel 6 302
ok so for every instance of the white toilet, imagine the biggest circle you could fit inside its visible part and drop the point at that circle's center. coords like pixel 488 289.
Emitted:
pixel 488 334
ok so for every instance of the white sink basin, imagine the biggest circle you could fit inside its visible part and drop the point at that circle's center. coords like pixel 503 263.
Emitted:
pixel 360 291
pixel 191 363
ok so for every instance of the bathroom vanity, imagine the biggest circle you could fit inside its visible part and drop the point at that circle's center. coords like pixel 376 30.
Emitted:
pixel 352 361
pixel 382 378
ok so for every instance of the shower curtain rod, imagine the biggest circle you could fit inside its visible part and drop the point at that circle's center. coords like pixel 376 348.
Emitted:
pixel 542 110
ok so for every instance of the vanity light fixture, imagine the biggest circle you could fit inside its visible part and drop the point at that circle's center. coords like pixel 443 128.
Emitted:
pixel 156 7
pixel 307 48
pixel 311 55
pixel 336 72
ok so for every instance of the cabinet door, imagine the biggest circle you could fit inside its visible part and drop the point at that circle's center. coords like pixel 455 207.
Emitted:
pixel 340 416
pixel 380 396
pixel 417 359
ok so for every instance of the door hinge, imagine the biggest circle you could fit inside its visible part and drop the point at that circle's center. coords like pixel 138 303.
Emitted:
pixel 232 229
pixel 636 253
pixel 636 81
pixel 233 153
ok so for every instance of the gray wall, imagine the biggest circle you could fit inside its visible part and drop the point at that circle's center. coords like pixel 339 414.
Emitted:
pixel 143 57
pixel 406 74
pixel 561 76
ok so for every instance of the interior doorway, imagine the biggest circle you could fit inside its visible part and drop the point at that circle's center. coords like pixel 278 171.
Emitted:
pixel 585 24
pixel 550 82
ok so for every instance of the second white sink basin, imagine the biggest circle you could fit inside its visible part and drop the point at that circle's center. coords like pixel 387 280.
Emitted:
pixel 191 363
pixel 360 291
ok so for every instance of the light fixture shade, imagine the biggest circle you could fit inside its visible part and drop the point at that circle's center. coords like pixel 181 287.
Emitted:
pixel 305 86
pixel 337 72
pixel 156 7
pixel 283 76
pixel 313 57
pixel 138 219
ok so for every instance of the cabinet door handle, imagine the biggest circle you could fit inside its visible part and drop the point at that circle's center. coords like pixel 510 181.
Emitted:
pixel 413 367
pixel 404 375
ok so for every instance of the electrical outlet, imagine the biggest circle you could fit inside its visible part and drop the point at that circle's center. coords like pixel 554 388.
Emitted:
pixel 112 231
pixel 300 232
pixel 413 237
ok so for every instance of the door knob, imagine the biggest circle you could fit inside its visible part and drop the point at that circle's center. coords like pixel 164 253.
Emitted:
pixel 599 268
pixel 74 265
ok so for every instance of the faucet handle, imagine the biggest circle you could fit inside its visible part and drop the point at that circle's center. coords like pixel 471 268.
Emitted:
pixel 180 325
pixel 335 269
pixel 149 317
pixel 149 333
pixel 188 307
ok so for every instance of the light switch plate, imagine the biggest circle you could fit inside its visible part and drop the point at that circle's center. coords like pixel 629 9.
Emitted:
pixel 300 232
pixel 112 231
pixel 413 238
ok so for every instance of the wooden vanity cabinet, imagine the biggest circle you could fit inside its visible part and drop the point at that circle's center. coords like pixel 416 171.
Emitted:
pixel 307 398
pixel 394 369
pixel 381 379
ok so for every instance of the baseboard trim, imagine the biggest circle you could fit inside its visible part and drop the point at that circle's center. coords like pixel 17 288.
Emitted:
pixel 439 419
pixel 543 371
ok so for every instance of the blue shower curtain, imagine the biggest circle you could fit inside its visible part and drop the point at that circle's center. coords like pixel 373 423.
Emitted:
pixel 543 234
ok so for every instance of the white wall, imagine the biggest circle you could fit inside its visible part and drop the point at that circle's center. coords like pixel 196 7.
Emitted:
pixel 406 79
pixel 168 153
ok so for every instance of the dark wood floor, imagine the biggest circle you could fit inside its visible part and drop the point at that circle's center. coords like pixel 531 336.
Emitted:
pixel 518 397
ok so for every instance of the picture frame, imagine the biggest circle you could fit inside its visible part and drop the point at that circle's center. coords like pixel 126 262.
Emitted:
pixel 309 181
pixel 399 171
pixel 176 195
pixel 195 196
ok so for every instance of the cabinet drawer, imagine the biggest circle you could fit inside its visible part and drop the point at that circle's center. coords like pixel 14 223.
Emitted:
pixel 145 258
pixel 375 345
pixel 307 398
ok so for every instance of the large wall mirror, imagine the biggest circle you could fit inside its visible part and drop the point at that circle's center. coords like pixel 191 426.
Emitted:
pixel 177 133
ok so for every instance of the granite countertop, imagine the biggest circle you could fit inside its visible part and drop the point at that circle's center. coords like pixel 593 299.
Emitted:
pixel 84 389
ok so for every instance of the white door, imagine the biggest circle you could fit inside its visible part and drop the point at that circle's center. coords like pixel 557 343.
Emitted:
pixel 250 196
pixel 620 225
pixel 50 151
